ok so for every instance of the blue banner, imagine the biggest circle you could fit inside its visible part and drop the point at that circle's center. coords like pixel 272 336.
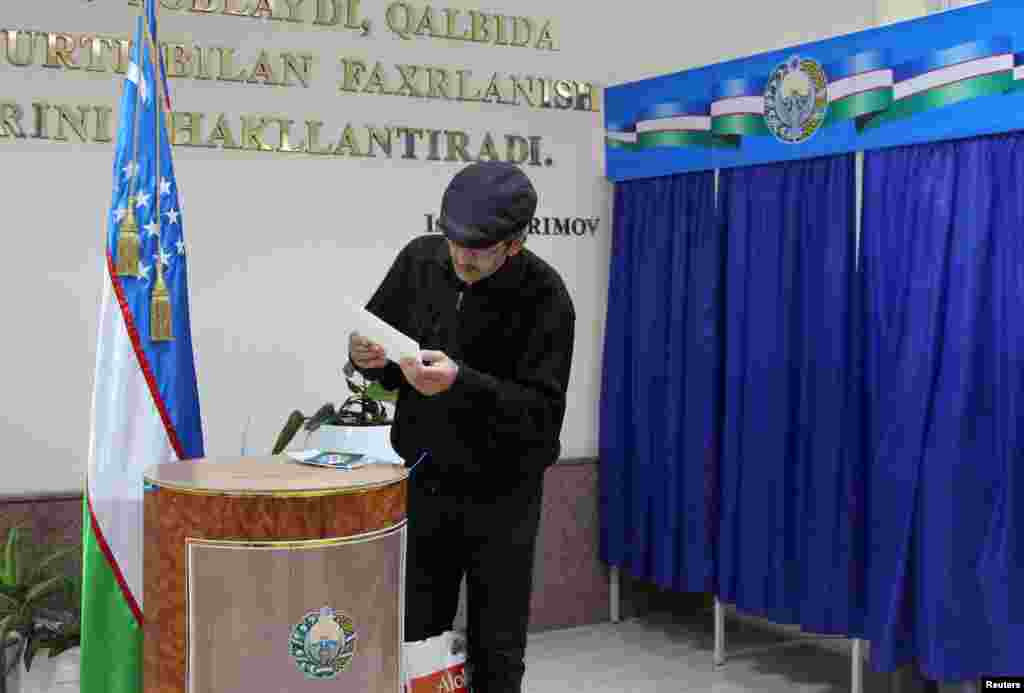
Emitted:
pixel 946 76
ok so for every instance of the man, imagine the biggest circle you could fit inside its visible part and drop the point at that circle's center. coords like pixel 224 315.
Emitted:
pixel 483 407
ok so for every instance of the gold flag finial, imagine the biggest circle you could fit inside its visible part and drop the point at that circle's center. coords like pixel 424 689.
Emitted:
pixel 128 243
pixel 161 326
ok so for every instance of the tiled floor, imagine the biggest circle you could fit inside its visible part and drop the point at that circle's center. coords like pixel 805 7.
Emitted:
pixel 660 653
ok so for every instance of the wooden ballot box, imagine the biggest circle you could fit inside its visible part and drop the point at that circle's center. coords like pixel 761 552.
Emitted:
pixel 264 574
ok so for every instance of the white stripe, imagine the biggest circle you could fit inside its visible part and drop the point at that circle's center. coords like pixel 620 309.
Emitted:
pixel 948 75
pixel 738 104
pixel 676 123
pixel 1018 72
pixel 136 77
pixel 127 435
pixel 622 136
pixel 856 84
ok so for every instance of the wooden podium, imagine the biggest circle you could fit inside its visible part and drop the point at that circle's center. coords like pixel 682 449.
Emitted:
pixel 263 574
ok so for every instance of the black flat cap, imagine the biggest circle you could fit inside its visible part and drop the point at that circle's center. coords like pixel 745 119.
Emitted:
pixel 486 203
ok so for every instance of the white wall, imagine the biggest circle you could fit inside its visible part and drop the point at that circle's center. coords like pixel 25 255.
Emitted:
pixel 673 36
pixel 899 10
pixel 273 237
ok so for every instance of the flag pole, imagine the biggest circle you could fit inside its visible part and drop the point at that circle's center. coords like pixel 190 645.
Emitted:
pixel 137 116
pixel 161 326
pixel 129 243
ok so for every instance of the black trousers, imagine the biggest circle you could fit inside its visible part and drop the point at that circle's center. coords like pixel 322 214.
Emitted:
pixel 489 540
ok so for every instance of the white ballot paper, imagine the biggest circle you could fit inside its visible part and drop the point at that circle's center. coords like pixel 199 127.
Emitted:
pixel 395 343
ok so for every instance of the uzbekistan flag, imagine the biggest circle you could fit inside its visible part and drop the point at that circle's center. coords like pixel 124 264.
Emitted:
pixel 859 87
pixel 945 77
pixel 670 124
pixel 145 407
pixel 738 107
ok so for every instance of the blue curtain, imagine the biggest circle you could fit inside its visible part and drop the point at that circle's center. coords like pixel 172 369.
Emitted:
pixel 660 383
pixel 791 545
pixel 943 278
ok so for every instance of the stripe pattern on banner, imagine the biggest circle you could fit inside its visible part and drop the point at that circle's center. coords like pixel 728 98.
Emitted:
pixel 864 88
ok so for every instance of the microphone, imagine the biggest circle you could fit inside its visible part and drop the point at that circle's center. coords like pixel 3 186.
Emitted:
pixel 423 456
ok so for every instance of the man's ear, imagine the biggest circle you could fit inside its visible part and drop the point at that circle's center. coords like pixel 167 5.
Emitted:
pixel 514 247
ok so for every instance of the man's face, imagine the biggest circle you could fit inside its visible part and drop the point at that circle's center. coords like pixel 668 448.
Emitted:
pixel 472 265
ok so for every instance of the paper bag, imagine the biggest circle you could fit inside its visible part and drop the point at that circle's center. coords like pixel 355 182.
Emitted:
pixel 437 665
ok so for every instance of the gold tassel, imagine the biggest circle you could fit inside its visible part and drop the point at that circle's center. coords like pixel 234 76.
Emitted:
pixel 128 243
pixel 161 328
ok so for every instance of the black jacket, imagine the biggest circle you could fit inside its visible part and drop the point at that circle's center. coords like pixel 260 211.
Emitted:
pixel 512 336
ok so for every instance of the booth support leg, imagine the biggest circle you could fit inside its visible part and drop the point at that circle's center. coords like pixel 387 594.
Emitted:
pixel 857 667
pixel 719 656
pixel 613 595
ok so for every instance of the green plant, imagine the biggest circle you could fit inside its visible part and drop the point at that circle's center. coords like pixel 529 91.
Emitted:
pixel 364 407
pixel 39 598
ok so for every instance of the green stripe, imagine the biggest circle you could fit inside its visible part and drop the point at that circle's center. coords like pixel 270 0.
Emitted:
pixel 684 138
pixel 739 124
pixel 1017 85
pixel 111 638
pixel 614 143
pixel 859 105
pixel 985 85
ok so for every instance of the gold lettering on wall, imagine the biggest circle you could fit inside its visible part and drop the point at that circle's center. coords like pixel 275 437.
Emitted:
pixel 380 138
pixel 19 47
pixel 102 132
pixel 74 118
pixel 11 115
pixel 97 48
pixel 98 53
pixel 94 53
pixel 188 125
pixel 221 135
pixel 293 11
pixel 178 60
pixel 60 50
pixel 409 21
pixel 284 144
pixel 124 56
pixel 423 81
pixel 298 66
pixel 252 134
pixel 70 123
pixel 329 13
pixel 91 123
pixel 313 145
pixel 95 56
pixel 41 110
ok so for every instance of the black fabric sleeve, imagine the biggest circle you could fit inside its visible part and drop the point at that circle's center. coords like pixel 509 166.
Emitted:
pixel 528 409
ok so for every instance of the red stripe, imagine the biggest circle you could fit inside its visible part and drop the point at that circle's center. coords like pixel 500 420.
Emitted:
pixel 118 575
pixel 862 91
pixel 866 72
pixel 675 130
pixel 955 81
pixel 147 370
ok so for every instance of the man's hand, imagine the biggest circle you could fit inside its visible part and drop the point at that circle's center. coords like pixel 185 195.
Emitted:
pixel 364 353
pixel 431 374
